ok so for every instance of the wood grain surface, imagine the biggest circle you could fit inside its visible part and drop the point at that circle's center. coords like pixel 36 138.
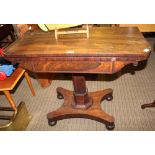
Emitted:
pixel 106 51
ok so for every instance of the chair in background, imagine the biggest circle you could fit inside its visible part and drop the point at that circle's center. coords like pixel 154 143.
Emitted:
pixel 20 29
pixel 7 35
pixel 8 84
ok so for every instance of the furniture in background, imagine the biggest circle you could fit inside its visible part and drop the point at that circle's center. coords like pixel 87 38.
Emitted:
pixel 149 105
pixel 141 27
pixel 6 30
pixel 6 86
pixel 20 29
pixel 57 28
pixel 107 51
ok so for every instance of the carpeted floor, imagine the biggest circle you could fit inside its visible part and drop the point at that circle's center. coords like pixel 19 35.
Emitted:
pixel 130 92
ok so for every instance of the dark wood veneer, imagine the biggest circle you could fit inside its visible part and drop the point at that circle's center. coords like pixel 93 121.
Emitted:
pixel 107 51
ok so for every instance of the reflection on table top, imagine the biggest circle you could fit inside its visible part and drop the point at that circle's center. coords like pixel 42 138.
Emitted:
pixel 103 41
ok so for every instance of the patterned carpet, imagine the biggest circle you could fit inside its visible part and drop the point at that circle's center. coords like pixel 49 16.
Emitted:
pixel 130 92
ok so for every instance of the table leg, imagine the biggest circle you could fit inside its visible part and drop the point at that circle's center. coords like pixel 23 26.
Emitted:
pixel 44 79
pixel 81 104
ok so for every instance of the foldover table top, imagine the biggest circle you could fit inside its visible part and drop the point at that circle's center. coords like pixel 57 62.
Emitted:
pixel 107 50
pixel 103 41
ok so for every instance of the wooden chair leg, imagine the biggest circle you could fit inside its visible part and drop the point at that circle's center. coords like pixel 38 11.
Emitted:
pixel 29 83
pixel 10 99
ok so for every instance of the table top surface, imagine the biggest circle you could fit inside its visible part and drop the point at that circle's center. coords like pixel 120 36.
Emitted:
pixel 103 41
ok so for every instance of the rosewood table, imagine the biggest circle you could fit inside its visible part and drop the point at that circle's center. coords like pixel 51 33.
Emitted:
pixel 107 51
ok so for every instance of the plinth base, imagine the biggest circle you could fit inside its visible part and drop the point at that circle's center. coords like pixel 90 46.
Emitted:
pixel 94 112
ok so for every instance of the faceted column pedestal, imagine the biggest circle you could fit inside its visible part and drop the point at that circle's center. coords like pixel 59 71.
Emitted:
pixel 81 104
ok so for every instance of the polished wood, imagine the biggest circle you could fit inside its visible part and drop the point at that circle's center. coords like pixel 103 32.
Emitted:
pixel 20 30
pixel 6 85
pixel 94 111
pixel 10 82
pixel 81 97
pixel 10 99
pixel 103 42
pixel 143 28
pixel 104 52
pixel 107 51
pixel 29 83
pixel 44 79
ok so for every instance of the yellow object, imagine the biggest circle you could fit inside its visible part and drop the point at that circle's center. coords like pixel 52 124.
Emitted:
pixel 56 27
pixel 46 27
pixel 18 121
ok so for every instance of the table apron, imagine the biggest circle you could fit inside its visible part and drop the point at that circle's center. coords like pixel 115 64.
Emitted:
pixel 107 67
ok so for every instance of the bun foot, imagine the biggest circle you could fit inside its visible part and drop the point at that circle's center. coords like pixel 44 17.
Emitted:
pixel 109 97
pixel 110 126
pixel 59 93
pixel 52 123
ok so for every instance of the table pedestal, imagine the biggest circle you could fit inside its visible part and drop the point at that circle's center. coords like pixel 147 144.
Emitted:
pixel 81 104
